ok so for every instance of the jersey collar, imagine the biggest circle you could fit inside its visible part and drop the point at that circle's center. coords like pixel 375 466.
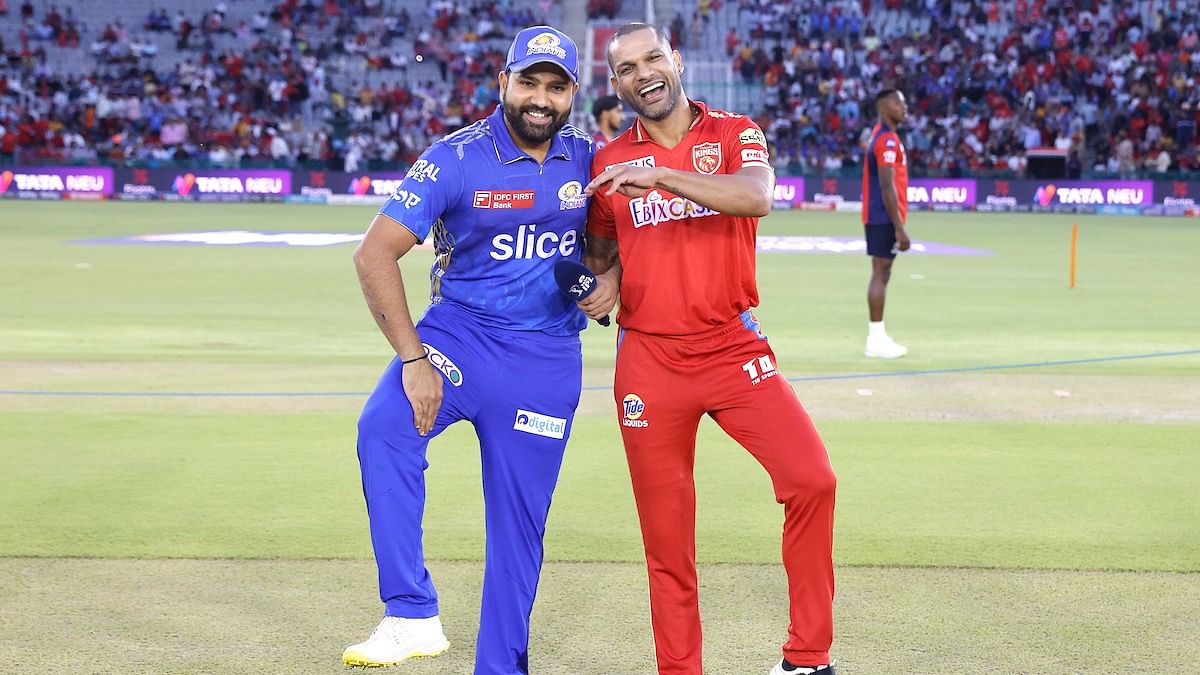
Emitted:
pixel 640 135
pixel 506 148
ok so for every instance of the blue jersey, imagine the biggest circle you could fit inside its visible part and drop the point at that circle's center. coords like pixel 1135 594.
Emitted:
pixel 499 222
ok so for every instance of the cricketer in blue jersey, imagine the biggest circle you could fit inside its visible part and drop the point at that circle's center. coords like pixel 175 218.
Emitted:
pixel 502 201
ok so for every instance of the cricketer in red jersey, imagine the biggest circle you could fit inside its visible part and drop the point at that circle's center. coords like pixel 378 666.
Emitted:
pixel 884 213
pixel 674 212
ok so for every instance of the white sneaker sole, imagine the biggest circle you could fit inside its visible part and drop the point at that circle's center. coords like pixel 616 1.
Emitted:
pixel 352 658
pixel 872 354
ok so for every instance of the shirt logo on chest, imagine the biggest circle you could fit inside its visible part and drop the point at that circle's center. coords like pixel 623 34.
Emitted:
pixel 503 199
pixel 644 162
pixel 653 208
pixel 706 157
pixel 570 196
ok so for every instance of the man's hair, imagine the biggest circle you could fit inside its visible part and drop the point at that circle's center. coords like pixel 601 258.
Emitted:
pixel 660 34
pixel 884 94
pixel 603 105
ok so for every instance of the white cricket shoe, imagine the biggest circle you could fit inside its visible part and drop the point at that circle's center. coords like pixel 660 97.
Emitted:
pixel 397 639
pixel 884 348
pixel 827 669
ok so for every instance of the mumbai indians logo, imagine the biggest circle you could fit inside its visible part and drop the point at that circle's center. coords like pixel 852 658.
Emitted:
pixel 571 196
pixel 631 412
pixel 444 364
pixel 546 43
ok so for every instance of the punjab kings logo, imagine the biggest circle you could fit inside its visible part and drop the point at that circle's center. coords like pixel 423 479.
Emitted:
pixel 706 157
pixel 632 408
pixel 546 43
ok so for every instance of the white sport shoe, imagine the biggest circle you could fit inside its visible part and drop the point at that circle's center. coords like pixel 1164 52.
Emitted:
pixel 884 348
pixel 397 639
pixel 827 669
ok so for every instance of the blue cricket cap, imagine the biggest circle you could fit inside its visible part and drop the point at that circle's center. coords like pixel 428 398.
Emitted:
pixel 543 44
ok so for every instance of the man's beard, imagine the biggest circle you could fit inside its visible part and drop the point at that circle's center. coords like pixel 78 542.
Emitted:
pixel 530 134
pixel 674 91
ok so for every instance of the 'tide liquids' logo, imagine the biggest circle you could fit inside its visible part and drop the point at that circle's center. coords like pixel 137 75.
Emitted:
pixel 632 408
pixel 540 425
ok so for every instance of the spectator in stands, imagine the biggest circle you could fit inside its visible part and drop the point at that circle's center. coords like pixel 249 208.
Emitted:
pixel 610 117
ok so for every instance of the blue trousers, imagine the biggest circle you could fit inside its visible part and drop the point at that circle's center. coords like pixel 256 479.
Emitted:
pixel 520 391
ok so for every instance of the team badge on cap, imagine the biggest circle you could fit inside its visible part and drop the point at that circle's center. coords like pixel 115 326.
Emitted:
pixel 543 44
pixel 546 43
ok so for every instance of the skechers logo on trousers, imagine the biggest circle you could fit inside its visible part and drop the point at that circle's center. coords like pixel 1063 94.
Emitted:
pixel 444 364
pixel 541 425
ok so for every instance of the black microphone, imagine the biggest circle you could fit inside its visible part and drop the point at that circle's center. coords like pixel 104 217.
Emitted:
pixel 576 282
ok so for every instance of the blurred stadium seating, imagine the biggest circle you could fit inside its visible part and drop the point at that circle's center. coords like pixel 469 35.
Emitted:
pixel 358 84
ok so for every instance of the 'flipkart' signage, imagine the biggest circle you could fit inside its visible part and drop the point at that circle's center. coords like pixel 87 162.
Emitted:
pixel 53 180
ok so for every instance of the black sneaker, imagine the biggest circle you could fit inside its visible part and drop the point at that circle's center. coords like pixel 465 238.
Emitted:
pixel 785 668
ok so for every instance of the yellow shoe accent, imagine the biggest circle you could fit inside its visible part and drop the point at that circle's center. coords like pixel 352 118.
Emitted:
pixel 354 658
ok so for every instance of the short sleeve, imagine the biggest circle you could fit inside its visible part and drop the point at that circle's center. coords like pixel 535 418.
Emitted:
pixel 430 189
pixel 887 150
pixel 600 220
pixel 746 145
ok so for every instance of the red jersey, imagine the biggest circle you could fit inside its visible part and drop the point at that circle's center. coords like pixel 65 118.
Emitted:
pixel 884 149
pixel 687 268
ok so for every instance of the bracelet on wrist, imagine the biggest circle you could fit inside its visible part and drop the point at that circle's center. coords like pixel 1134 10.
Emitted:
pixel 408 361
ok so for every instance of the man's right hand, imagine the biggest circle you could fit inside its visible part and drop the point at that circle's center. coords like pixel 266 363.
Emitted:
pixel 902 240
pixel 423 386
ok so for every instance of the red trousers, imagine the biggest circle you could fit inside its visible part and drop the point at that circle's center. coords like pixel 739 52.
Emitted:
pixel 663 386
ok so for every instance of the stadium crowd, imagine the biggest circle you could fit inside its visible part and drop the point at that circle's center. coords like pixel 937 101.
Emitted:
pixel 1111 84
pixel 278 98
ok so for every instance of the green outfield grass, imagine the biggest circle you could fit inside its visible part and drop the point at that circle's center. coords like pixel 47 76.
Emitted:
pixel 1044 518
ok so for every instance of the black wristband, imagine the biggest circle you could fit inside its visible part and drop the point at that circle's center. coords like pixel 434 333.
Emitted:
pixel 419 358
